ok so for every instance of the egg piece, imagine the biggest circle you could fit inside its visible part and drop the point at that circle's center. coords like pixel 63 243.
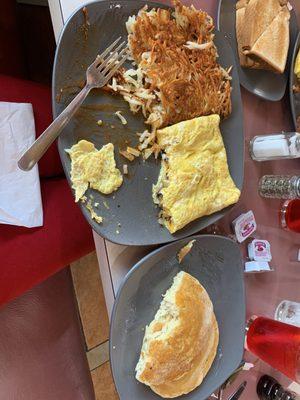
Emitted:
pixel 93 168
pixel 297 66
pixel 194 179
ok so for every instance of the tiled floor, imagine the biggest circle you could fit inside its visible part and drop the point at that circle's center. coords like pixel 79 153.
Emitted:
pixel 103 383
pixel 95 325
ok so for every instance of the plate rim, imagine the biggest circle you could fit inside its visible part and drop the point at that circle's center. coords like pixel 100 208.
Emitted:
pixel 291 80
pixel 140 263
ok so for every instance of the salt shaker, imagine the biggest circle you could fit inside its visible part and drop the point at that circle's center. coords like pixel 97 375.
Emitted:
pixel 274 147
pixel 279 186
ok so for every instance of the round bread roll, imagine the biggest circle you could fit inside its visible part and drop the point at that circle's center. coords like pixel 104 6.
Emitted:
pixel 181 342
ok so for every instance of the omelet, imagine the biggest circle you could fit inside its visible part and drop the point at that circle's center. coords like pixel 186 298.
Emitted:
pixel 297 66
pixel 194 179
pixel 93 168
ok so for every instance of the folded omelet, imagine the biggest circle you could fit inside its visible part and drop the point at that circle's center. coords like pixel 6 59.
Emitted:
pixel 94 168
pixel 194 179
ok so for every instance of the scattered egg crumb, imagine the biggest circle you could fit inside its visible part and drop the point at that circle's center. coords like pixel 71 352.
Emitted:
pixel 96 204
pixel 112 126
pixel 117 231
pixel 146 178
pixel 94 215
pixel 125 169
pixel 106 205
pixel 114 196
pixel 92 197
pixel 99 122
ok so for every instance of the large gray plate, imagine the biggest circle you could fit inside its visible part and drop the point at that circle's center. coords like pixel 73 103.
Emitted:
pixel 131 206
pixel 294 97
pixel 216 262
pixel 265 84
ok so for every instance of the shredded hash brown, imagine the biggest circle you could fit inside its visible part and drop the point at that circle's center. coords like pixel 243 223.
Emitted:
pixel 177 76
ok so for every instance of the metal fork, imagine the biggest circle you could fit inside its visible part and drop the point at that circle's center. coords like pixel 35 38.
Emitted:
pixel 97 75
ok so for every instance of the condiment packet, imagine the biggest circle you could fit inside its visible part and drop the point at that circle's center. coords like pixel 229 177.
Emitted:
pixel 244 226
pixel 257 266
pixel 259 250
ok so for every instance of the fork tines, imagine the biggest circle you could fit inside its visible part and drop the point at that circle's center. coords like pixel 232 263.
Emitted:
pixel 108 62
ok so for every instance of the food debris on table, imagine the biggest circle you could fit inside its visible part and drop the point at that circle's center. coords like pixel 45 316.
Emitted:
pixel 106 205
pixel 99 122
pixel 185 250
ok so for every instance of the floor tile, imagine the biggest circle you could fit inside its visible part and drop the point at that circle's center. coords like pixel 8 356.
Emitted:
pixel 103 383
pixel 98 355
pixel 90 299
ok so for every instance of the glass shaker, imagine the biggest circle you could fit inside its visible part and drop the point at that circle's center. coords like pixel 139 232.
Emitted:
pixel 275 147
pixel 290 215
pixel 288 312
pixel 279 186
pixel 269 389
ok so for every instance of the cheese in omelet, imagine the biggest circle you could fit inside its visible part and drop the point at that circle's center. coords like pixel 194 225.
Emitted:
pixel 194 179
pixel 297 66
pixel 93 168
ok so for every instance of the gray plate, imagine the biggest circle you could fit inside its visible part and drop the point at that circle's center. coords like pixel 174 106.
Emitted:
pixel 216 262
pixel 294 97
pixel 265 84
pixel 131 206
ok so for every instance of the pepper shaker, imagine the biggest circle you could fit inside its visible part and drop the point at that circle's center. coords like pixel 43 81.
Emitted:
pixel 279 186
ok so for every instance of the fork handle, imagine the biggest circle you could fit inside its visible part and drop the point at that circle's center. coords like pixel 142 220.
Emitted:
pixel 42 143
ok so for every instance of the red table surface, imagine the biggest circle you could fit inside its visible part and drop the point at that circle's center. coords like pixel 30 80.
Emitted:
pixel 264 291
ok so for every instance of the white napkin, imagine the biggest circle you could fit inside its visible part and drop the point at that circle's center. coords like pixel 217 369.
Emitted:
pixel 20 193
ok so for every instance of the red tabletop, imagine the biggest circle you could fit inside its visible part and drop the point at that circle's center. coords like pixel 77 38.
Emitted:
pixel 265 291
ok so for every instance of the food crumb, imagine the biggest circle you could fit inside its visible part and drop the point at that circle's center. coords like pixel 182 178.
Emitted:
pixel 119 224
pixel 94 215
pixel 96 205
pixel 99 122
pixel 106 205
pixel 125 169
pixel 185 250
pixel 117 231
pixel 92 197
pixel 127 155
pixel 114 196
pixel 146 178
pixel 133 151
pixel 112 126
pixel 121 117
